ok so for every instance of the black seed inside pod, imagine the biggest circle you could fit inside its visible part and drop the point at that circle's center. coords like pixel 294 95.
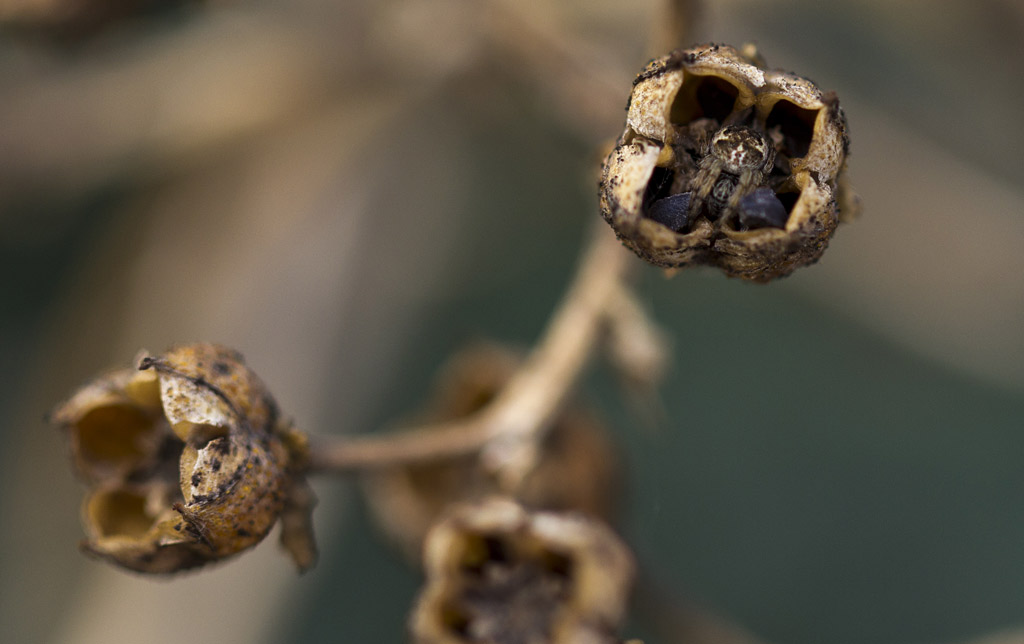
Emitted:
pixel 671 212
pixel 762 209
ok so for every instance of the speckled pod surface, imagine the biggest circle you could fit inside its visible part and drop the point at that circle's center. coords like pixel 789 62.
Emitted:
pixel 188 460
pixel 680 108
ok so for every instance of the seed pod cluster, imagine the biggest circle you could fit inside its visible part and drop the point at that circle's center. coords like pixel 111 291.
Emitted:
pixel 726 163
pixel 188 461
pixel 498 573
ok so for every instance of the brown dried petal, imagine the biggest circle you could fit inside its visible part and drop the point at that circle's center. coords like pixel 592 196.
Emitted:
pixel 498 574
pixel 677 105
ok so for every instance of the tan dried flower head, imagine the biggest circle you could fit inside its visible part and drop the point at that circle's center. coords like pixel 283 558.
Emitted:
pixel 577 468
pixel 498 574
pixel 189 462
pixel 729 164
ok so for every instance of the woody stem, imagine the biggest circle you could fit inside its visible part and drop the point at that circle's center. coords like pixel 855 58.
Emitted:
pixel 523 410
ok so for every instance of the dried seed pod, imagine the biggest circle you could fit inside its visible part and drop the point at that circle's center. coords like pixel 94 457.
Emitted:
pixel 709 132
pixel 496 573
pixel 576 470
pixel 189 460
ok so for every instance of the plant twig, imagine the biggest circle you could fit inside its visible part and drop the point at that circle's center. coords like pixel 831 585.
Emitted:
pixel 509 427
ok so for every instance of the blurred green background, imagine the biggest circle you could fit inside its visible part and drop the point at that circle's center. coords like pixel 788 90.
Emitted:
pixel 349 192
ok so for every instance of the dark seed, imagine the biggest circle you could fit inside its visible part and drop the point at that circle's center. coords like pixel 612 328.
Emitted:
pixel 762 209
pixel 671 212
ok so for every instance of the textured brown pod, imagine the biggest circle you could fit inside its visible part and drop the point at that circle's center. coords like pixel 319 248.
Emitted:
pixel 726 163
pixel 189 462
pixel 577 469
pixel 496 573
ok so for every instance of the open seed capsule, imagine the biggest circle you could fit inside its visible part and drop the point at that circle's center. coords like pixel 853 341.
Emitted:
pixel 758 152
pixel 189 462
pixel 496 572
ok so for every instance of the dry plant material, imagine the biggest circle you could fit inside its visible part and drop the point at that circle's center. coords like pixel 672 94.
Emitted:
pixel 508 431
pixel 73 21
pixel 726 163
pixel 189 462
pixel 576 467
pixel 498 574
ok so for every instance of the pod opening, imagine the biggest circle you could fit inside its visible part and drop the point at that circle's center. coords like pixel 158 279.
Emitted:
pixel 482 550
pixel 557 564
pixel 120 513
pixel 659 186
pixel 119 435
pixel 454 620
pixel 795 126
pixel 699 96
pixel 513 591
pixel 789 200
pixel 660 204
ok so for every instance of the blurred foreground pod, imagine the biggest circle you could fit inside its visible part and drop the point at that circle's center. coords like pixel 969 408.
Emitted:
pixel 497 573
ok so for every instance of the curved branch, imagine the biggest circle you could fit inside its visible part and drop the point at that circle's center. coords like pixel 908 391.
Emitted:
pixel 509 427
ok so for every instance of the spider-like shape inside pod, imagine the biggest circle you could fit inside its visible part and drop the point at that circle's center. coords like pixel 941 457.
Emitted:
pixel 736 161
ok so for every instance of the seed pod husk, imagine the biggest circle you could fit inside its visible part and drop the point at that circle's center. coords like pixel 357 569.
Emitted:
pixel 498 573
pixel 682 108
pixel 188 460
